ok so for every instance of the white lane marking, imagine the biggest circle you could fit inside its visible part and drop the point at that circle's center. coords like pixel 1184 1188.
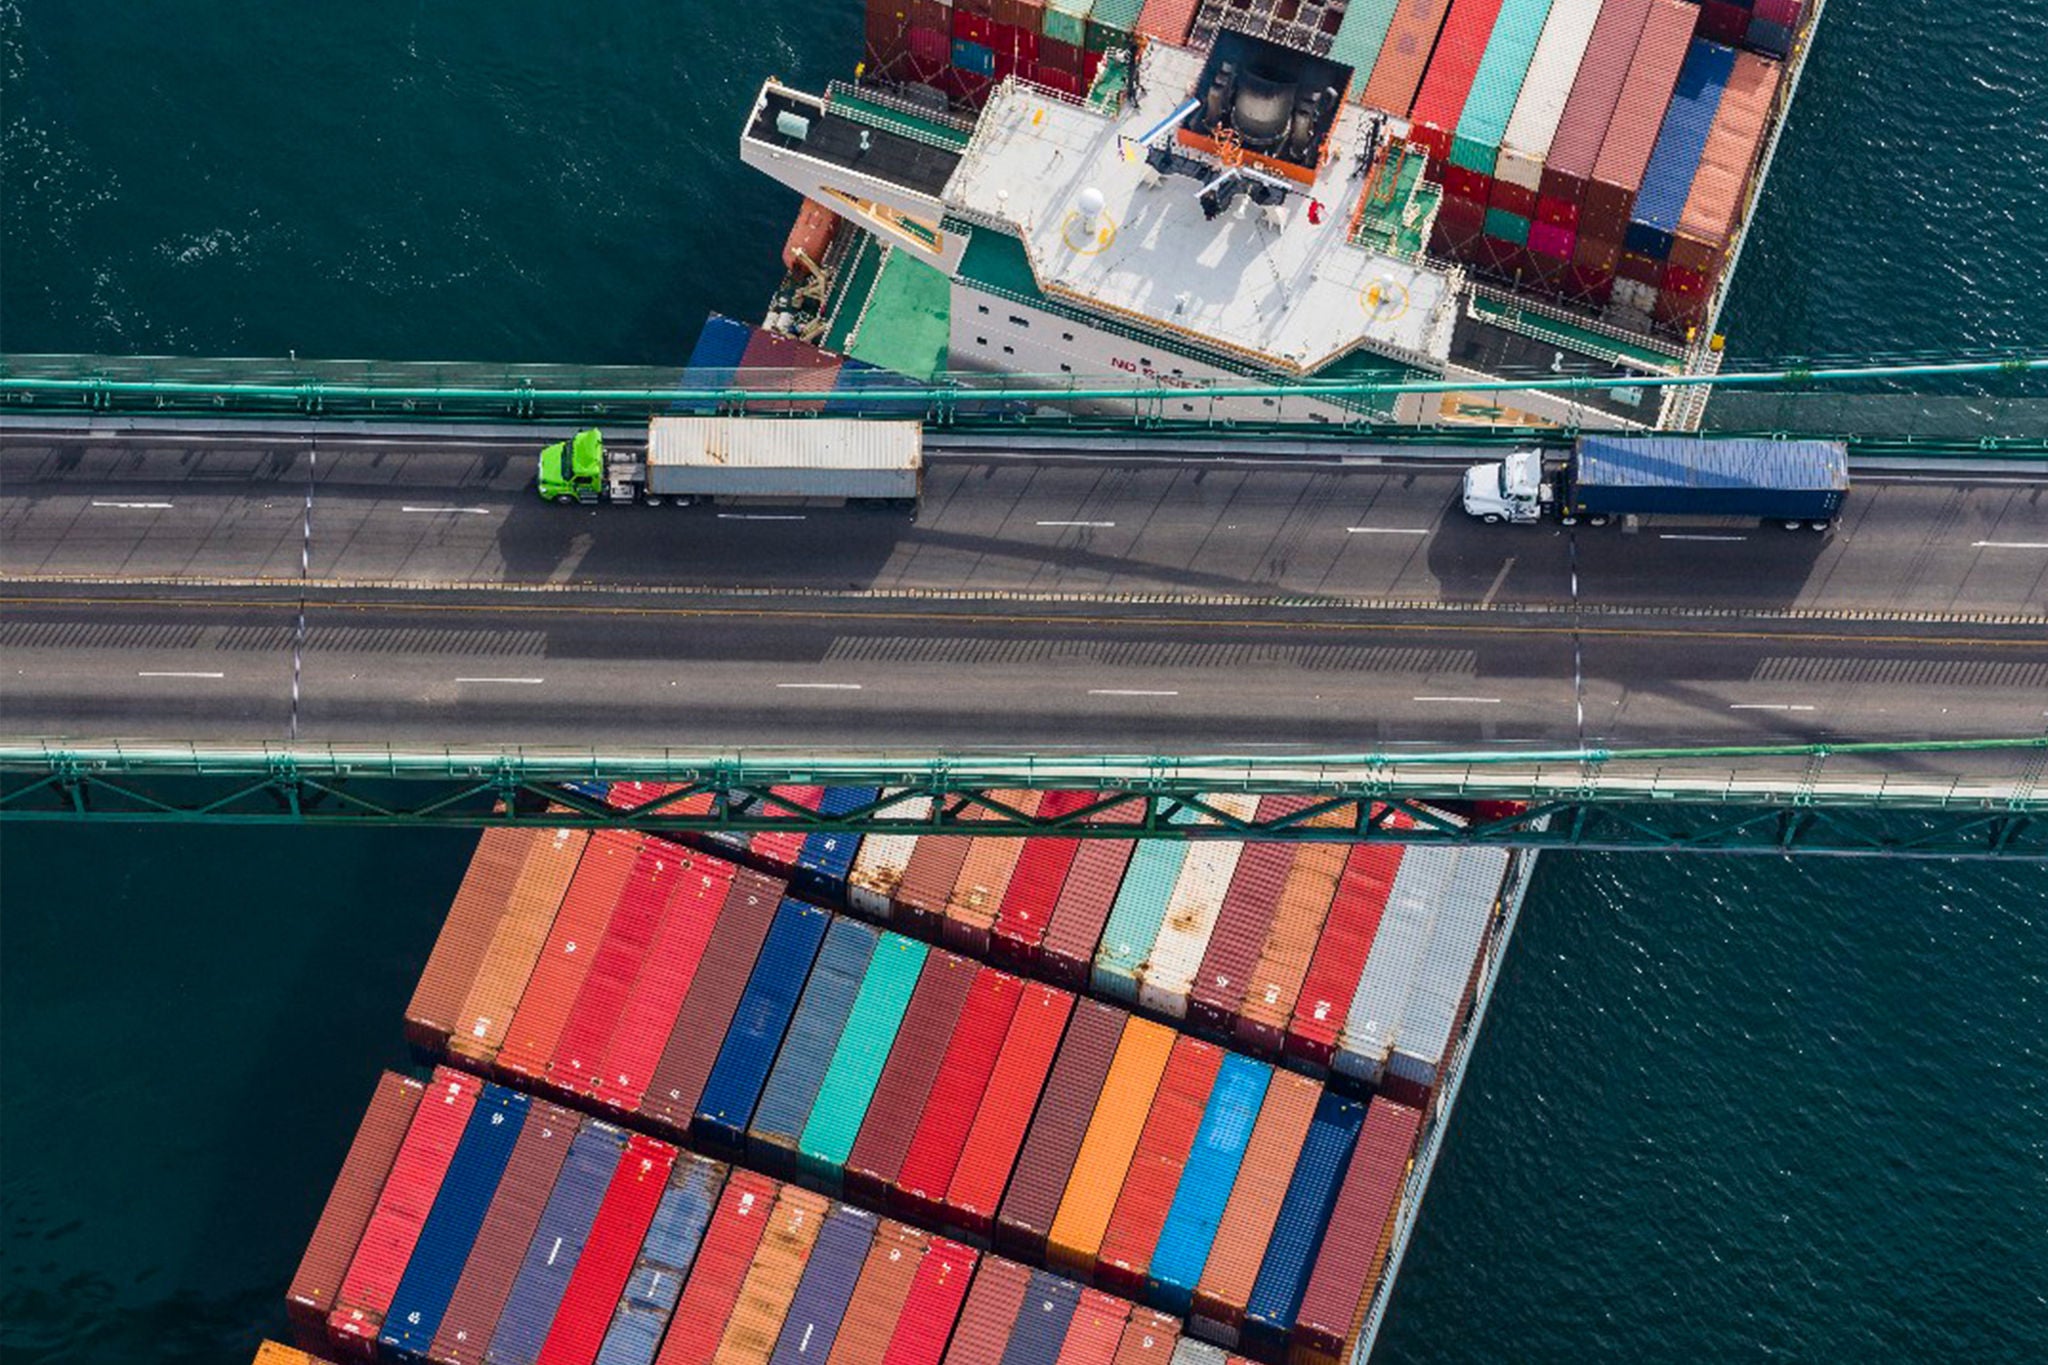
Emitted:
pixel 1099 525
pixel 167 674
pixel 1128 692
pixel 136 506
pixel 2009 545
pixel 1493 591
pixel 1481 701
pixel 820 687
pixel 760 516
pixel 1669 536
pixel 466 511
pixel 1766 706
pixel 523 682
pixel 1386 530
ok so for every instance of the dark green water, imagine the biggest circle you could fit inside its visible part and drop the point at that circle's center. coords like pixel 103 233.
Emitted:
pixel 1736 1110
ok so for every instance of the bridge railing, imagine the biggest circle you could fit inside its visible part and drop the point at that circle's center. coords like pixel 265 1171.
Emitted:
pixel 1987 407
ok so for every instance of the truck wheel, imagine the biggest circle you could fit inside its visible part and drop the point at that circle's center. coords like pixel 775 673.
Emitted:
pixel 651 499
pixel 1816 526
pixel 1793 525
pixel 1596 521
pixel 565 499
pixel 1568 520
pixel 1491 518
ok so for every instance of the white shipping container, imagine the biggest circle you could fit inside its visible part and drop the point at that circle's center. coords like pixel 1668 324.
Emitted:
pixel 1394 965
pixel 1467 908
pixel 1168 972
pixel 1552 71
pixel 878 867
pixel 783 457
pixel 1188 1351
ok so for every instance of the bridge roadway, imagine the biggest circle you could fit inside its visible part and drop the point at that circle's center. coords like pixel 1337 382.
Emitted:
pixel 1322 602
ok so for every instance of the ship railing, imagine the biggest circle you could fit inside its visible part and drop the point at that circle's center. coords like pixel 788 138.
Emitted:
pixel 848 100
pixel 1578 322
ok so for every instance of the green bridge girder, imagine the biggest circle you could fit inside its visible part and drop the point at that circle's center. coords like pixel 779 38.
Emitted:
pixel 1730 800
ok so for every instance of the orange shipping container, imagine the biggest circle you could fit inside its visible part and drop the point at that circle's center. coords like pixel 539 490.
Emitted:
pixel 984 877
pixel 1262 1180
pixel 1106 1149
pixel 1404 56
pixel 1156 1166
pixel 1148 1340
pixel 565 957
pixel 479 903
pixel 1096 1330
pixel 879 1294
pixel 772 1278
pixel 1270 989
pixel 515 944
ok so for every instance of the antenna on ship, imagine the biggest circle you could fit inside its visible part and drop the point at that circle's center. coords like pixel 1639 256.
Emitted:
pixel 1091 204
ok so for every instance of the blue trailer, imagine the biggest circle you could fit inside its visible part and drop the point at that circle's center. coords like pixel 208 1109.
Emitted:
pixel 1794 483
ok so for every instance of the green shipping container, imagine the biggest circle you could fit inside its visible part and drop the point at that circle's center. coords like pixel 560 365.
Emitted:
pixel 857 1062
pixel 1139 910
pixel 1360 36
pixel 1067 21
pixel 1498 84
pixel 1509 227
pixel 1111 23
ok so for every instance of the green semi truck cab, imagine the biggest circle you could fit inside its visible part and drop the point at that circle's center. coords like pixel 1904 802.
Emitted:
pixel 573 470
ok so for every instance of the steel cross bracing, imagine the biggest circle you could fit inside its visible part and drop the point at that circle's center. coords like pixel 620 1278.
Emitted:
pixel 1663 800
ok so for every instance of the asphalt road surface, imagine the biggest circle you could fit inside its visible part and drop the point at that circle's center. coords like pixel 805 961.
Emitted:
pixel 156 583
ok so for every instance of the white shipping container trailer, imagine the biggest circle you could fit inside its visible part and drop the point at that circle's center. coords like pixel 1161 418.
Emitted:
pixel 793 459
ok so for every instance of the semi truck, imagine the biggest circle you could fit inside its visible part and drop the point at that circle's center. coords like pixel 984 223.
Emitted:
pixel 1793 483
pixel 689 460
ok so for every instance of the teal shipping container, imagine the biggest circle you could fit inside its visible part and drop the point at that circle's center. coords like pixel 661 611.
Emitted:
pixel 857 1062
pixel 1498 84
pixel 1139 910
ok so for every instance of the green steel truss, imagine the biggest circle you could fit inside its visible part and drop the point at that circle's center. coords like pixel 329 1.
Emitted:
pixel 1756 799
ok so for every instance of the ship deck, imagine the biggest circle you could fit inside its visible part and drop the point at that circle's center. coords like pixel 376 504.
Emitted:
pixel 1291 294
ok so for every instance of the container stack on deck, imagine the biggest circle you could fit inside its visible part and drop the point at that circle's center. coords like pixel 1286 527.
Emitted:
pixel 608 1000
pixel 964 48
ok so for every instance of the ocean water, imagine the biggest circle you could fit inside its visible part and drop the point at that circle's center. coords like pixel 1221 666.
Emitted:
pixel 1737 1109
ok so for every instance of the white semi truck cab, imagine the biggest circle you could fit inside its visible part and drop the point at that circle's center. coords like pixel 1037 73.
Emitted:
pixel 1510 489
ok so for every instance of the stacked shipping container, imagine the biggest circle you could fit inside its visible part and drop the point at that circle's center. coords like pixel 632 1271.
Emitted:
pixel 964 48
pixel 591 1256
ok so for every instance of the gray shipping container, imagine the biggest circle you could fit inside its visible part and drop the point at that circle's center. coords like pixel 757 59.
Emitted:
pixel 1467 906
pixel 788 457
pixel 1399 948
pixel 1192 1352
pixel 806 1054
pixel 1049 1304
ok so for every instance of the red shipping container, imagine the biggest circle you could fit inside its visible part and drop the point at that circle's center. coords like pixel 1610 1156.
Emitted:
pixel 677 1081
pixel 1638 116
pixel 614 960
pixel 1354 1249
pixel 1249 905
pixel 984 879
pixel 1448 81
pixel 1057 1129
pixel 933 47
pixel 1148 1340
pixel 1589 285
pixel 1056 56
pixel 544 1006
pixel 720 1269
pixel 1168 20
pixel 989 1314
pixel 1025 46
pixel 1096 1330
pixel 989 1150
pixel 929 1021
pixel 1516 199
pixel 1641 269
pixel 522 1196
pixel 777 851
pixel 1588 110
pixel 479 904
pixel 1340 955
pixel 1684 283
pixel 1156 1166
pixel 695 898
pixel 936 15
pixel 1006 66
pixel 956 1095
pixel 1071 937
pixel 919 903
pixel 1561 213
pixel 1063 82
pixel 636 796
pixel 408 1195
pixel 585 1313
pixel 1785 12
pixel 1595 254
pixel 354 1198
pixel 1034 888
pixel 1473 186
pixel 985 8
pixel 1723 22
pixel 936 1295
pixel 975 28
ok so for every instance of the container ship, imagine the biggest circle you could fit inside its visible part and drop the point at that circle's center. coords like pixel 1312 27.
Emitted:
pixel 914 1099
pixel 1186 194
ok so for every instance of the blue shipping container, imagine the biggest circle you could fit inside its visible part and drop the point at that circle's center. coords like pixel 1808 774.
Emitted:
pixel 758 1024
pixel 973 58
pixel 812 1038
pixel 825 859
pixel 451 1226
pixel 826 1288
pixel 1770 480
pixel 666 1255
pixel 557 1244
pixel 1206 1181
pixel 1042 1321
pixel 1304 1213
pixel 1675 159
